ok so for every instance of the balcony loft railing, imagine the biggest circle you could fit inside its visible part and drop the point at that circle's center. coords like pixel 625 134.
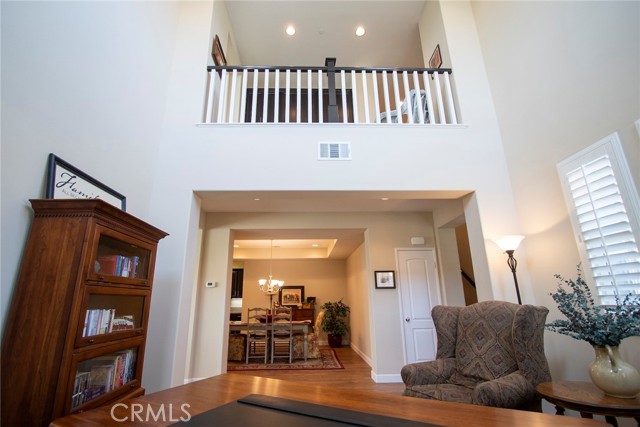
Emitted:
pixel 289 95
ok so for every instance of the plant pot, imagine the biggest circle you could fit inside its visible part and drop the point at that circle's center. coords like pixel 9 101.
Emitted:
pixel 612 375
pixel 335 341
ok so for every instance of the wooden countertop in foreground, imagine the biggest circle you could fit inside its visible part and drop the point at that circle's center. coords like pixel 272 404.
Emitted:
pixel 215 391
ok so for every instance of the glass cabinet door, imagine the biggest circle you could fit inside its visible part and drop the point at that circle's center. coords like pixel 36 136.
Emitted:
pixel 111 313
pixel 98 377
pixel 119 258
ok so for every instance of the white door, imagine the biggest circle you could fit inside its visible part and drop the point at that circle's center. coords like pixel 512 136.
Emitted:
pixel 419 293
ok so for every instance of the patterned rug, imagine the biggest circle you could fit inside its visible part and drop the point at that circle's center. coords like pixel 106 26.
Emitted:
pixel 327 360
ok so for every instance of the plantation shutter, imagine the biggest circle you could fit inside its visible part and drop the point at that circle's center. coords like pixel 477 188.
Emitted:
pixel 605 229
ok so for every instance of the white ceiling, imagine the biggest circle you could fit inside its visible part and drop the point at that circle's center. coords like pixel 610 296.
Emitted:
pixel 347 240
pixel 325 28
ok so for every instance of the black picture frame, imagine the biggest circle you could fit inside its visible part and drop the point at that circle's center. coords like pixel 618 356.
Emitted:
pixel 436 58
pixel 217 53
pixel 65 181
pixel 291 295
pixel 385 279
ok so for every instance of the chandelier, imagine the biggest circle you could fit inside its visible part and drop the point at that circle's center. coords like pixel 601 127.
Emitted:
pixel 270 286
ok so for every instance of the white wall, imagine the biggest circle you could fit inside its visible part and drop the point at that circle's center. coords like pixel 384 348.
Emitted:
pixel 563 75
pixel 360 318
pixel 88 82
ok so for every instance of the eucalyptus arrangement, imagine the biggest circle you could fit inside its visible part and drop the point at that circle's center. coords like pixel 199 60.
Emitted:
pixel 599 325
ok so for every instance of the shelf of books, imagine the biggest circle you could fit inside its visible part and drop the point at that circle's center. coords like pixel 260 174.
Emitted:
pixel 111 311
pixel 117 257
pixel 104 377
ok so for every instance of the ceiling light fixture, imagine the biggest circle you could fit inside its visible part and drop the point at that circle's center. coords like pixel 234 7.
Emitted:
pixel 290 30
pixel 271 286
pixel 360 31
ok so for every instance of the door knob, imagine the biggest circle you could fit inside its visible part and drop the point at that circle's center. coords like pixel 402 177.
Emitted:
pixel 407 319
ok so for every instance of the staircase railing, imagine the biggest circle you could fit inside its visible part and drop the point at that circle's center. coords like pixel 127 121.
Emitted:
pixel 329 94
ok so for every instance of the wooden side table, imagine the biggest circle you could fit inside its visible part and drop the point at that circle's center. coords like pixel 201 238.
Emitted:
pixel 588 399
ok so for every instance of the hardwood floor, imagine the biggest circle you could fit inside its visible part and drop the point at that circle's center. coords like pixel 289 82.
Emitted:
pixel 356 374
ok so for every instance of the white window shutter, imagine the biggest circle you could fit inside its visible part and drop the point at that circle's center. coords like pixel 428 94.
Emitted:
pixel 604 211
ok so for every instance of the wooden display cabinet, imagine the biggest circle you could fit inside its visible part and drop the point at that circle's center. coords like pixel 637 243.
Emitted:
pixel 77 326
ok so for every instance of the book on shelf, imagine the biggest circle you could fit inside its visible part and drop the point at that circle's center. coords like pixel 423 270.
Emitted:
pixel 118 265
pixel 98 321
pixel 123 322
pixel 103 374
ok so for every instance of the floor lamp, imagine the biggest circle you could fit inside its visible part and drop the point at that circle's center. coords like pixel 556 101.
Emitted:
pixel 509 244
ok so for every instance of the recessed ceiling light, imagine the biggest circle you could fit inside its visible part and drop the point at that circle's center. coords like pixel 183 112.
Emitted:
pixel 384 198
pixel 315 245
pixel 257 199
pixel 290 30
pixel 360 31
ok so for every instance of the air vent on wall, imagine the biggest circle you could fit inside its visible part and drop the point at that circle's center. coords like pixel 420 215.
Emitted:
pixel 334 151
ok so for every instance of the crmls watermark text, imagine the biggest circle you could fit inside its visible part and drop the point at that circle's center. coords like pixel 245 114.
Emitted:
pixel 146 412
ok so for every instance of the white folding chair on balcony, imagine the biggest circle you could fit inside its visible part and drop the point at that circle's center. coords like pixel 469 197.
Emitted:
pixel 392 116
pixel 282 333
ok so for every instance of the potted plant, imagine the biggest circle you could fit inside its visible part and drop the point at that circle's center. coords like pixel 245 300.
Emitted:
pixel 334 322
pixel 604 327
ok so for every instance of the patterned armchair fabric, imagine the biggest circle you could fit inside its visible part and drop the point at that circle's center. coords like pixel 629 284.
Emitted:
pixel 313 351
pixel 490 353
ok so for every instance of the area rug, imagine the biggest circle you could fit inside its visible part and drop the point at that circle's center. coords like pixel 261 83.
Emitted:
pixel 327 360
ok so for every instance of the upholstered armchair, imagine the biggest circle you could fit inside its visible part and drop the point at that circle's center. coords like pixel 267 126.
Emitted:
pixel 313 351
pixel 490 353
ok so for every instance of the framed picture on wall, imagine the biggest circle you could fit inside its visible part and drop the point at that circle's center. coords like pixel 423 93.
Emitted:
pixel 385 280
pixel 436 60
pixel 65 181
pixel 217 53
pixel 292 295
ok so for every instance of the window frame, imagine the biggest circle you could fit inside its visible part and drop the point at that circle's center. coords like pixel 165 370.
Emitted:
pixel 612 148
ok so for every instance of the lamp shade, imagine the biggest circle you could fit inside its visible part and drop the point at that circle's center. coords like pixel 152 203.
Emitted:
pixel 510 242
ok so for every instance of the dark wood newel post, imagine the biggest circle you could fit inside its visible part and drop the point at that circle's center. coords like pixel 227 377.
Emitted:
pixel 330 63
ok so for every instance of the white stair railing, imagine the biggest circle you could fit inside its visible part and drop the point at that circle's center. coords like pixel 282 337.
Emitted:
pixel 384 96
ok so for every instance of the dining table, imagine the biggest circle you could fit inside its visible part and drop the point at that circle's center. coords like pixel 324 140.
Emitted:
pixel 297 325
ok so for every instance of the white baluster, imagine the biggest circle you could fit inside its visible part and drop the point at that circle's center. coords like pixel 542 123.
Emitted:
pixel 299 90
pixel 365 97
pixel 416 87
pixel 407 96
pixel 208 114
pixel 254 98
pixel 354 97
pixel 232 92
pixel 436 80
pixel 287 99
pixel 243 95
pixel 320 112
pixel 309 97
pixel 276 102
pixel 396 91
pixel 376 99
pixel 427 88
pixel 343 86
pixel 265 96
pixel 385 88
pixel 450 106
pixel 221 99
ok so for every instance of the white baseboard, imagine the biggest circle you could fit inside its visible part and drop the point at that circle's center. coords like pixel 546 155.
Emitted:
pixel 192 380
pixel 364 357
pixel 387 378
